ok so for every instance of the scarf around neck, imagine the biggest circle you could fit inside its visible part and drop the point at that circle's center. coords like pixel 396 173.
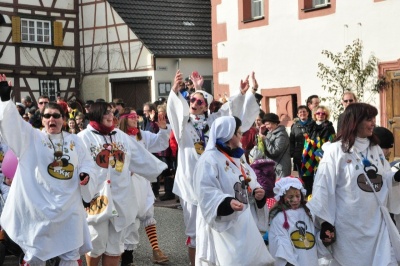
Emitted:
pixel 199 121
pixel 102 129
pixel 132 131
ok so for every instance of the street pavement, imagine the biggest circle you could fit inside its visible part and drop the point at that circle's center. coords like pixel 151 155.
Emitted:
pixel 170 229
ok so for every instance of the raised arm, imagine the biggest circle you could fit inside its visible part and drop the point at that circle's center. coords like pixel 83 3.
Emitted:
pixel 177 108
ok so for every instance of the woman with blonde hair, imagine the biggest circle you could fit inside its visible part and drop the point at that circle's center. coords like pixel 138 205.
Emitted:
pixel 319 131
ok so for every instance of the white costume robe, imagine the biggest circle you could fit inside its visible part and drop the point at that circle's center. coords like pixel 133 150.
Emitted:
pixel 44 214
pixel 116 157
pixel 244 107
pixel 231 240
pixel 144 193
pixel 288 245
pixel 342 197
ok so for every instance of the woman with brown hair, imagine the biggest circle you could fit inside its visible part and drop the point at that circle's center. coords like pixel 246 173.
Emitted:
pixel 350 193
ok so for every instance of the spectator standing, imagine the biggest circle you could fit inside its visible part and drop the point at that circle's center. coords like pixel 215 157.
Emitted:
pixel 319 131
pixel 35 120
pixel 297 131
pixel 312 102
pixel 348 98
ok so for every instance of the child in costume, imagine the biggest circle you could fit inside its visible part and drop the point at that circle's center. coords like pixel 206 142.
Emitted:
pixel 292 235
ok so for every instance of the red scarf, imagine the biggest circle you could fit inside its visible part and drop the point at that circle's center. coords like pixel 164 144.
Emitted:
pixel 102 129
pixel 132 131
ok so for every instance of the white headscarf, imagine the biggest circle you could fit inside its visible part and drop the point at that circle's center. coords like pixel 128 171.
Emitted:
pixel 208 97
pixel 285 183
pixel 222 129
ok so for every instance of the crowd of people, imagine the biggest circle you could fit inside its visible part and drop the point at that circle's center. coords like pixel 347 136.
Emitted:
pixel 95 171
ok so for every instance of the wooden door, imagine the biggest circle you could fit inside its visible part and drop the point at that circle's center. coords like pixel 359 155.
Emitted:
pixel 134 92
pixel 393 110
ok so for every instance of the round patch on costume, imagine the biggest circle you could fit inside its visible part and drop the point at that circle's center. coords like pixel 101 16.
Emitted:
pixel 301 238
pixel 60 168
pixel 375 179
pixel 98 205
pixel 199 146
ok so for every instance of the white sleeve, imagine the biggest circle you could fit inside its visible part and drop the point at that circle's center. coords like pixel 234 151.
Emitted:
pixel 143 163
pixel 156 142
pixel 178 114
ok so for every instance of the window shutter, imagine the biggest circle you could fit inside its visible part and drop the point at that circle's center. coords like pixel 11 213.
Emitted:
pixel 247 10
pixel 16 29
pixel 58 33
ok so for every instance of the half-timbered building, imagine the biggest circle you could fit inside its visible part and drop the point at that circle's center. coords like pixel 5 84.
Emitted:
pixel 39 47
pixel 132 49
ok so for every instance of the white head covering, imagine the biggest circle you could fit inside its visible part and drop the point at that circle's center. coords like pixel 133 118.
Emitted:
pixel 208 97
pixel 283 184
pixel 222 129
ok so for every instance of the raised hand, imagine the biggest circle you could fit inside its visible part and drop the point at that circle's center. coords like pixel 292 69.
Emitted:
pixel 197 80
pixel 254 81
pixel 244 85
pixel 162 121
pixel 259 193
pixel 177 80
pixel 5 88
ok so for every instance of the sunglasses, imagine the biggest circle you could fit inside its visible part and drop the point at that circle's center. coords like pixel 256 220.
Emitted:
pixel 198 101
pixel 55 115
pixel 348 101
pixel 320 113
pixel 43 103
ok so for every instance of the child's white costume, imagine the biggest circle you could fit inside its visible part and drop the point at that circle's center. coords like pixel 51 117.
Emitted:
pixel 296 244
pixel 232 239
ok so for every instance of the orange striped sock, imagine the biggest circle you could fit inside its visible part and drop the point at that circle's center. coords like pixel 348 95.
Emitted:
pixel 152 235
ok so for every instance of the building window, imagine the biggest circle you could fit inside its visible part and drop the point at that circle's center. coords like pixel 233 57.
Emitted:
pixel 49 87
pixel 320 3
pixel 164 88
pixel 316 4
pixel 253 10
pixel 35 31
pixel 257 9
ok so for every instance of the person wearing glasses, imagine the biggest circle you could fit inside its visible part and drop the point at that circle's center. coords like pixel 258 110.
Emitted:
pixel 225 186
pixel 190 124
pixel 43 213
pixel 36 120
pixel 319 131
pixel 116 155
pixel 348 98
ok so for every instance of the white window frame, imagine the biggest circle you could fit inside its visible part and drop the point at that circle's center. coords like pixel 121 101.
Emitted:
pixel 320 3
pixel 36 31
pixel 257 8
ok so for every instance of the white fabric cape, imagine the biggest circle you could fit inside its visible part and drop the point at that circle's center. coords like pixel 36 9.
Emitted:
pixel 224 240
pixel 135 159
pixel 244 107
pixel 361 234
pixel 44 215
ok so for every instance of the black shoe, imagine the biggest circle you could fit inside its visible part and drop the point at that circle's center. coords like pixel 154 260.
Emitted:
pixel 127 258
pixel 167 197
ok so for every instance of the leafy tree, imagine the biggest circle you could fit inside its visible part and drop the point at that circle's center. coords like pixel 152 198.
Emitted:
pixel 348 73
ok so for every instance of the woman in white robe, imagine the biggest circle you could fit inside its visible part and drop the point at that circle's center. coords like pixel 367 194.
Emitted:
pixel 344 204
pixel 128 123
pixel 116 155
pixel 190 125
pixel 223 185
pixel 43 213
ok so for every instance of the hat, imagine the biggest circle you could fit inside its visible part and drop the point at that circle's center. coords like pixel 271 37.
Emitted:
pixel 162 99
pixel 385 137
pixel 208 97
pixel 271 117
pixel 285 183
pixel 20 105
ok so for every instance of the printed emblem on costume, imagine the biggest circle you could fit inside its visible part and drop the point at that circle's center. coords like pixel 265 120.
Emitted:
pixel 98 204
pixel 241 188
pixel 375 179
pixel 110 154
pixel 301 238
pixel 61 168
pixel 199 146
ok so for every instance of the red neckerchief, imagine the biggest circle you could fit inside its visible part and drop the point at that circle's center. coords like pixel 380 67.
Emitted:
pixel 246 178
pixel 102 129
pixel 132 131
